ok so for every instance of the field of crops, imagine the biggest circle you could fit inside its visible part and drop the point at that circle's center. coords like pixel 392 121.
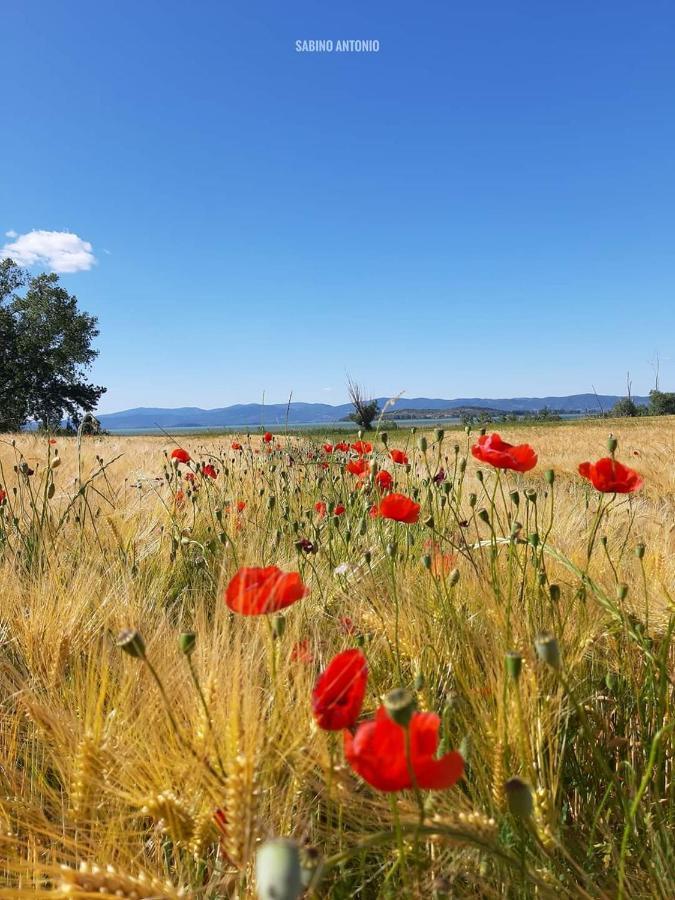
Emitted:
pixel 417 665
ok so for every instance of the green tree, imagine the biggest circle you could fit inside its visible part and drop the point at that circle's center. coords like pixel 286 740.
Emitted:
pixel 661 403
pixel 45 351
pixel 365 411
pixel 627 408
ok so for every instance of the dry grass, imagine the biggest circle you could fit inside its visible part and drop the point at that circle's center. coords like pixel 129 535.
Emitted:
pixel 92 772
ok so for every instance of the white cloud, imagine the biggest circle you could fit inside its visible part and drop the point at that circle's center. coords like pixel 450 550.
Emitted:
pixel 58 251
pixel 11 234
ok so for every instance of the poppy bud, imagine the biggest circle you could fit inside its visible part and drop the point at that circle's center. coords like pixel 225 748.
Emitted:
pixel 439 434
pixel 384 437
pixel 549 475
pixel 612 444
pixel 187 642
pixel 429 522
pixel 541 579
pixel 547 649
pixel 515 498
pixel 479 475
pixel 426 561
pixel 554 592
pixel 367 556
pixel 483 432
pixel 391 550
pixel 422 444
pixel 472 500
pixel 462 464
pixel 519 798
pixel 419 681
pixel 484 515
pixel 603 540
pixel 533 539
pixel 514 664
pixel 360 640
pixel 400 705
pixel 453 577
pixel 271 502
pixel 611 681
pixel 621 591
pixel 278 626
pixel 131 642
pixel 516 528
pixel 531 495
pixel 277 870
pixel 55 463
pixel 467 429
pixel 640 551
pixel 51 490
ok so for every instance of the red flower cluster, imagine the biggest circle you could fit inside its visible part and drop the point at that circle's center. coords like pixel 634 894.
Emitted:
pixel 611 477
pixel 268 437
pixel 256 591
pixel 339 691
pixel 342 447
pixel 399 508
pixel 493 450
pixel 209 471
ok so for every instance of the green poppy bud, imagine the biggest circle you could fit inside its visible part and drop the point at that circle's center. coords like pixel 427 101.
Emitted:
pixel 422 444
pixel 400 705
pixel 439 434
pixel 187 641
pixel 640 551
pixel 554 592
pixel 549 475
pixel 612 444
pixel 621 591
pixel 426 561
pixel 453 577
pixel 514 664
pixel 131 641
pixel 419 681
pixel 480 476
pixel 547 649
pixel 278 871
pixel 472 500
pixel 278 626
pixel 515 498
pixel 384 437
pixel 519 798
pixel 484 515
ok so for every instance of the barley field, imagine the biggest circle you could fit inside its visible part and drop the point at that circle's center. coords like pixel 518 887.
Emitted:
pixel 162 721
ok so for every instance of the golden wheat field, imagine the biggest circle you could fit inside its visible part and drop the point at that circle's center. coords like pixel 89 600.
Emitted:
pixel 527 615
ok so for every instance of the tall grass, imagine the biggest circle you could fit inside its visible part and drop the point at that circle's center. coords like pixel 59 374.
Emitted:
pixel 120 778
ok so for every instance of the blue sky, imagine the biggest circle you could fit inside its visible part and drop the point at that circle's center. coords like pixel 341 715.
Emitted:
pixel 484 207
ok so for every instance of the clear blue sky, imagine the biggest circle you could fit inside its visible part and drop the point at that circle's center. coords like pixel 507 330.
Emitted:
pixel 484 207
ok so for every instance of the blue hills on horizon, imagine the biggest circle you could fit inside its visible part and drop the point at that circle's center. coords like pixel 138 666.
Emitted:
pixel 298 413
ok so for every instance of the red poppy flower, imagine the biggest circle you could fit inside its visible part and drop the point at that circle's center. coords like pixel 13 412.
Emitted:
pixel 399 457
pixel 236 445
pixel 362 447
pixel 384 480
pixel 268 437
pixel 209 471
pixel 358 466
pixel 179 499
pixel 327 448
pixel 338 694
pixel 323 465
pixel 611 477
pixel 320 508
pixel 493 450
pixel 191 477
pixel 181 455
pixel 241 505
pixel 255 591
pixel 339 510
pixel 373 512
pixel 377 752
pixel 399 508
pixel 347 625
pixel 52 440
pixel 302 652
pixel 439 477
pixel 3 496
pixel 342 447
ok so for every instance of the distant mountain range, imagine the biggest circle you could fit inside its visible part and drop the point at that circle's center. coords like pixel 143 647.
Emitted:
pixel 251 415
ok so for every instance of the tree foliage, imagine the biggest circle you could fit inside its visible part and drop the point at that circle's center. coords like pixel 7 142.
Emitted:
pixel 365 410
pixel 661 403
pixel 45 351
